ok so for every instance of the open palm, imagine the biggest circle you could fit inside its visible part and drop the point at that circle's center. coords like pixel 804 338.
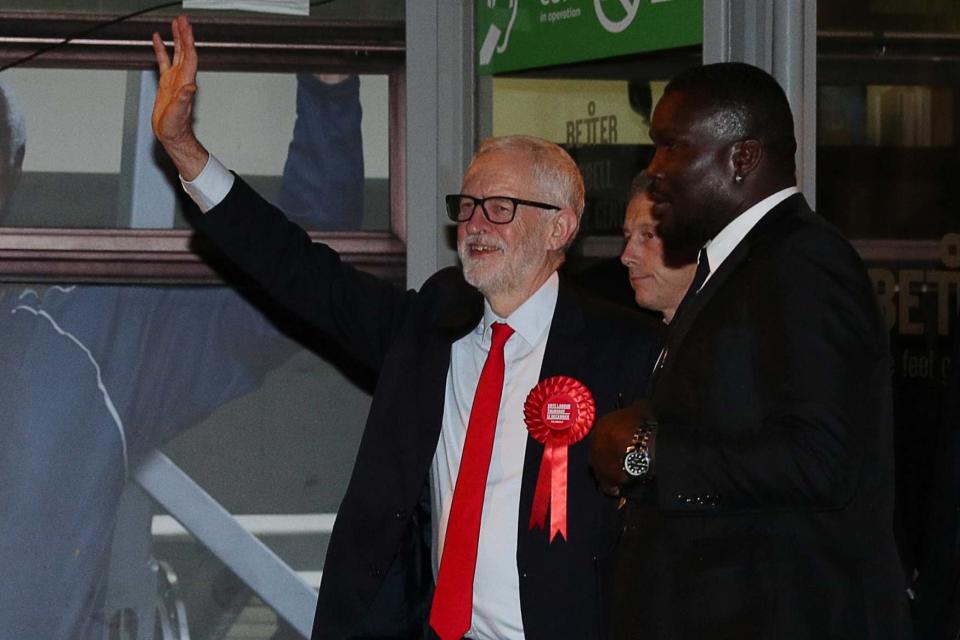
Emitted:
pixel 173 107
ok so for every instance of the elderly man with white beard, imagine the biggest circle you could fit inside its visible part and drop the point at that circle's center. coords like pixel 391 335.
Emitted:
pixel 471 511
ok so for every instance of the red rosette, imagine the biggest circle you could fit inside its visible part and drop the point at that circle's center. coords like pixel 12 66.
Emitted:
pixel 559 412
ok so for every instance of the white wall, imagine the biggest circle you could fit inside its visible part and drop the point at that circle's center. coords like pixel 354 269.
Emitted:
pixel 74 118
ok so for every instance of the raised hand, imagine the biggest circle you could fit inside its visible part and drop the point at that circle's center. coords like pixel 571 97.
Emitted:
pixel 173 109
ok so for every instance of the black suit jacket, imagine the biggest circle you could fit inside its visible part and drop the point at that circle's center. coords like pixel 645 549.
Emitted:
pixel 377 576
pixel 771 512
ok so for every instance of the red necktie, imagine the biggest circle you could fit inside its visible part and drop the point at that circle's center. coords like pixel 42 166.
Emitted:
pixel 453 598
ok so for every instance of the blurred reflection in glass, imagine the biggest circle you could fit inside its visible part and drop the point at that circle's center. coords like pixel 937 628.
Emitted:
pixel 323 190
pixel 92 378
pixel 107 172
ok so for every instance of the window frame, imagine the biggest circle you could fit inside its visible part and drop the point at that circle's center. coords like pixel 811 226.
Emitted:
pixel 227 42
pixel 894 58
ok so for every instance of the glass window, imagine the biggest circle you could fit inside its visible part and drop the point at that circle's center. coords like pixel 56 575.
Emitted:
pixel 885 158
pixel 888 156
pixel 310 116
pixel 602 123
pixel 315 144
pixel 95 378
pixel 119 341
pixel 600 113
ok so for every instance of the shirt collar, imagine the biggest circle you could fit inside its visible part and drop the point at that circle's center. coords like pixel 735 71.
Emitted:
pixel 723 244
pixel 532 318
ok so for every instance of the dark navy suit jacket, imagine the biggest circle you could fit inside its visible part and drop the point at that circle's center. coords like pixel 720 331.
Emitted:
pixel 377 577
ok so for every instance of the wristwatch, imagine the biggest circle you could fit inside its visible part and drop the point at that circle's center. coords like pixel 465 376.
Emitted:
pixel 636 460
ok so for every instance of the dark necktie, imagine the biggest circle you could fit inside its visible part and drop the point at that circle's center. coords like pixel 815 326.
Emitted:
pixel 453 598
pixel 703 270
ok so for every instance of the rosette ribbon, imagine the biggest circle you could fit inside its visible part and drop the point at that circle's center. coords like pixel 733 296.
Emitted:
pixel 559 412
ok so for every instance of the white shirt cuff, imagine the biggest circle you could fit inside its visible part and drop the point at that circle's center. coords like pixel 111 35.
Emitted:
pixel 210 187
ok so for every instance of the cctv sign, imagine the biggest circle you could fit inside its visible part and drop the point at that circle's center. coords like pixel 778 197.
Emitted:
pixel 523 34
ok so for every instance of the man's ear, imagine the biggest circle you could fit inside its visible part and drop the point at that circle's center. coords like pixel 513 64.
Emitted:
pixel 746 157
pixel 563 227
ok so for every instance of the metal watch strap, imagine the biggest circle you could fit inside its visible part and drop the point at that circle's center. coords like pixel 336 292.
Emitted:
pixel 636 458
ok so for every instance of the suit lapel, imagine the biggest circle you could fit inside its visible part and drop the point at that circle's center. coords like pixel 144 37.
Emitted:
pixel 565 347
pixel 740 254
pixel 459 312
pixel 564 354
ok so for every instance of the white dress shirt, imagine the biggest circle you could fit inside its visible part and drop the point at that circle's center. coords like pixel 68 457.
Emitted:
pixel 211 186
pixel 496 585
pixel 723 244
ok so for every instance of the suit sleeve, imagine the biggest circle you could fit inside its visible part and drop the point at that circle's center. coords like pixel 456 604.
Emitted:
pixel 307 278
pixel 795 408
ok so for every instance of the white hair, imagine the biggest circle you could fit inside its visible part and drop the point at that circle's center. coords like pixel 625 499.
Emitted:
pixel 552 166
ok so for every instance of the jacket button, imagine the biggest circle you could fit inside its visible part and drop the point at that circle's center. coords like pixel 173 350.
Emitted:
pixel 400 515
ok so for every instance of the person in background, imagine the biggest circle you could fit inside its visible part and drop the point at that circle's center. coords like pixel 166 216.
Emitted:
pixel 320 190
pixel 658 280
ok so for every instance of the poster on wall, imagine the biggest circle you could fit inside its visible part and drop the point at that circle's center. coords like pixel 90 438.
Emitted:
pixel 602 124
pixel 511 35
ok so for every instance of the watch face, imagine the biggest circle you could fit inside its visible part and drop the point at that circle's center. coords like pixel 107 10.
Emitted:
pixel 637 463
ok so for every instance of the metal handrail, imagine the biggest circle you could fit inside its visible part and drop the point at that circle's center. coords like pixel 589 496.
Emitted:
pixel 167 527
pixel 213 526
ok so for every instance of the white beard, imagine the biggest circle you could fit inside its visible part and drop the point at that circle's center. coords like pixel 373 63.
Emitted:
pixel 513 267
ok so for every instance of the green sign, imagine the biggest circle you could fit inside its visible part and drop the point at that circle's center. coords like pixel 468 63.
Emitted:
pixel 513 35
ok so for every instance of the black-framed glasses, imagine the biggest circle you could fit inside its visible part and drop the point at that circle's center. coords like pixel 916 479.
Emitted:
pixel 496 209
